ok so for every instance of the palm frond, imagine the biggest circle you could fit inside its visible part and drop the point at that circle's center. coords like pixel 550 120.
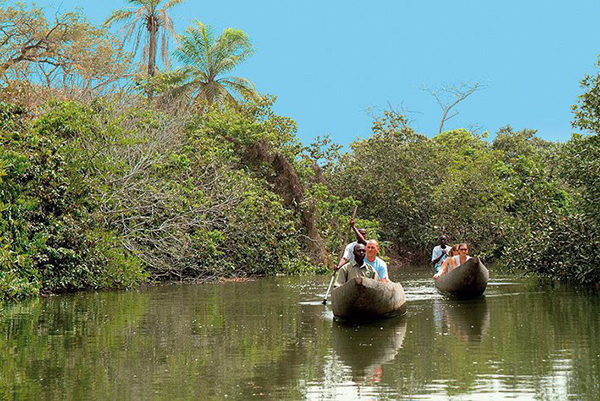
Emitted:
pixel 140 13
pixel 172 3
pixel 151 5
pixel 164 47
pixel 195 45
pixel 240 85
pixel 232 48
pixel 117 16
pixel 129 28
pixel 167 22
pixel 143 3
pixel 206 58
pixel 225 94
pixel 138 37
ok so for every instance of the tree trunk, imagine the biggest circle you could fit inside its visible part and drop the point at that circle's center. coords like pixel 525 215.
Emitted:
pixel 153 30
pixel 152 26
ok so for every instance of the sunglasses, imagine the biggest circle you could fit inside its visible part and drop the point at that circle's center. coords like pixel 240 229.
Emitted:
pixel 462 249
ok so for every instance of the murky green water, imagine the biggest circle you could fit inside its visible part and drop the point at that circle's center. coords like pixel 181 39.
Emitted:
pixel 273 339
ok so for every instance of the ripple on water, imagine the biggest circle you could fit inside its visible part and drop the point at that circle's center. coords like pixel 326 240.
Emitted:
pixel 420 290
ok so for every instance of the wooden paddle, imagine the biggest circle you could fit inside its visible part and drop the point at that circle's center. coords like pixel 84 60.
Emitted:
pixel 341 254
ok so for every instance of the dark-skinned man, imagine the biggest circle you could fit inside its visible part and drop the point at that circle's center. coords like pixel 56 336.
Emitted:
pixel 355 268
pixel 372 249
pixel 348 255
pixel 440 253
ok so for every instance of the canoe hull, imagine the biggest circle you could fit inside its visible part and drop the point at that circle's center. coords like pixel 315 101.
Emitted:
pixel 468 280
pixel 366 299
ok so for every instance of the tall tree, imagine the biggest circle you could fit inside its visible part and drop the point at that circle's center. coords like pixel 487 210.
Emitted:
pixel 149 23
pixel 207 58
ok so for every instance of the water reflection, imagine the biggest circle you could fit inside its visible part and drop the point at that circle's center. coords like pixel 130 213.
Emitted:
pixel 273 339
pixel 466 319
pixel 364 349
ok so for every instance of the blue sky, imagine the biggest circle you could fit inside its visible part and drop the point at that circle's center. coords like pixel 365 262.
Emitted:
pixel 331 61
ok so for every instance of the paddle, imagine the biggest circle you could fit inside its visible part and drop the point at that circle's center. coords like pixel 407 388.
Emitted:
pixel 341 254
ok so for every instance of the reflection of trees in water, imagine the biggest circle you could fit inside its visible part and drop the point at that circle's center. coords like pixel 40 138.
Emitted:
pixel 53 347
pixel 366 348
pixel 301 349
pixel 241 340
pixel 217 339
pixel 466 319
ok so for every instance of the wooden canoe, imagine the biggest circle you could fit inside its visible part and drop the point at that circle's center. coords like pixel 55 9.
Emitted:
pixel 468 280
pixel 366 299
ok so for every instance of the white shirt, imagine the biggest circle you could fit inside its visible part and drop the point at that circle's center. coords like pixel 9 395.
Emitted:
pixel 349 252
pixel 437 251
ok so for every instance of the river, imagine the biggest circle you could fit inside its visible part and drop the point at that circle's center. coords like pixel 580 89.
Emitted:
pixel 272 338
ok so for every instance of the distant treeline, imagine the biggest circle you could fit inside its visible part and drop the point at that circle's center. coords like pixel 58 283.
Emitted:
pixel 114 174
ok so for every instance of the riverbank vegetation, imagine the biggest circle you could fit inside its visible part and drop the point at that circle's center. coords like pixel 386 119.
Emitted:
pixel 113 174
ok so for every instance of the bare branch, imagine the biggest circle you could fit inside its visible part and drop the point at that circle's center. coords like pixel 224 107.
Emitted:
pixel 449 96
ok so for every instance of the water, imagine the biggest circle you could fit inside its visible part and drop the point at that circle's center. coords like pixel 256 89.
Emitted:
pixel 273 339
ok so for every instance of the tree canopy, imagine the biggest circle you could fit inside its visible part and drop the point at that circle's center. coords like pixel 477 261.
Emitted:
pixel 67 53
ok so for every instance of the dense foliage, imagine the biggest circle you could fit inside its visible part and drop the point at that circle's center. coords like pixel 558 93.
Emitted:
pixel 105 195
pixel 529 204
pixel 50 239
pixel 102 186
pixel 562 237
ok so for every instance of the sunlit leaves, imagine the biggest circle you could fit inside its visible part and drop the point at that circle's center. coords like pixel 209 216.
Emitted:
pixel 207 58
pixel 64 55
pixel 508 199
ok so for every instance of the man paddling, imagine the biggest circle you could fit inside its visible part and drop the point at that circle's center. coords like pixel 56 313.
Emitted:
pixel 348 255
pixel 372 249
pixel 440 253
pixel 355 268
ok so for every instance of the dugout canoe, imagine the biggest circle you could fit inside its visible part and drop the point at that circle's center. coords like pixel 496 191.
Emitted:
pixel 365 299
pixel 468 280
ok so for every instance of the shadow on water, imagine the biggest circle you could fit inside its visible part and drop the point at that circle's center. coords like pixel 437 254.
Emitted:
pixel 365 348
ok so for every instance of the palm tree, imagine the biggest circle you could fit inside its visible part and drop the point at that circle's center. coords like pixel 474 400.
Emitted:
pixel 148 22
pixel 206 59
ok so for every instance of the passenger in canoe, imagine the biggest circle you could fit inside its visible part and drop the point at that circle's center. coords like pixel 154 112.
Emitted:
pixel 348 255
pixel 454 261
pixel 375 262
pixel 355 268
pixel 440 253
pixel 372 250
